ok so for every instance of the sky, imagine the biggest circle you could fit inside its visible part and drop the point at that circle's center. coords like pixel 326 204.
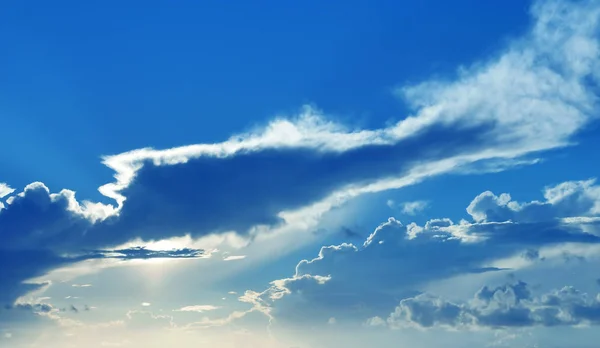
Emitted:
pixel 300 174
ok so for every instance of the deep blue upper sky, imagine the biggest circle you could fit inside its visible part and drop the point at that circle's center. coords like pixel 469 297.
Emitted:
pixel 85 79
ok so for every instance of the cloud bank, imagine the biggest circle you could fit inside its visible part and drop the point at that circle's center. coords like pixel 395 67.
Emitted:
pixel 511 305
pixel 396 262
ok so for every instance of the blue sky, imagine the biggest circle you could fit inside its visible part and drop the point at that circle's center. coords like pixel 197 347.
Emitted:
pixel 240 175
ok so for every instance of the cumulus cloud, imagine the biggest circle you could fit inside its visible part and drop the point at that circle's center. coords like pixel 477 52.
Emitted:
pixel 397 260
pixel 511 305
pixel 533 96
pixel 566 200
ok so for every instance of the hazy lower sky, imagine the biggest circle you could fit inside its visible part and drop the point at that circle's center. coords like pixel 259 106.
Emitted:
pixel 305 174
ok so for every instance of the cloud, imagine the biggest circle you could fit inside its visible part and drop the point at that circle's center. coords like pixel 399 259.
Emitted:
pixel 11 315
pixel 198 308
pixel 234 257
pixel 81 285
pixel 21 266
pixel 350 232
pixel 5 190
pixel 568 199
pixel 412 208
pixel 141 253
pixel 510 305
pixel 396 261
pixel 143 320
pixel 24 265
pixel 534 96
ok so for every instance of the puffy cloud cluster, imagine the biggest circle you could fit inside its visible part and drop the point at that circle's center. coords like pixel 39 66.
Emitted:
pixel 510 305
pixel 569 199
pixel 395 262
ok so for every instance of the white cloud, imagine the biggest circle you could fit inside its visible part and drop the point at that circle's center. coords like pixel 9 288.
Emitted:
pixel 198 308
pixel 408 208
pixel 412 208
pixel 5 190
pixel 81 285
pixel 375 321
pixel 146 304
pixel 234 257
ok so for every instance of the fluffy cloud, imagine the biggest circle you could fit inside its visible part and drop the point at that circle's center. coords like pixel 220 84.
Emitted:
pixel 569 199
pixel 533 96
pixel 397 261
pixel 511 305
pixel 409 208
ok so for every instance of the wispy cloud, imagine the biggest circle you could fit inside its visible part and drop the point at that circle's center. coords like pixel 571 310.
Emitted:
pixel 234 257
pixel 143 253
pixel 408 208
pixel 198 308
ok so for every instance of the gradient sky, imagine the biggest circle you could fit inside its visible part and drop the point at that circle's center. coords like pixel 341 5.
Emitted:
pixel 300 174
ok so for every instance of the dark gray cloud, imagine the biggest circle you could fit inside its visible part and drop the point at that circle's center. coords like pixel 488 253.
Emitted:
pixel 143 253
